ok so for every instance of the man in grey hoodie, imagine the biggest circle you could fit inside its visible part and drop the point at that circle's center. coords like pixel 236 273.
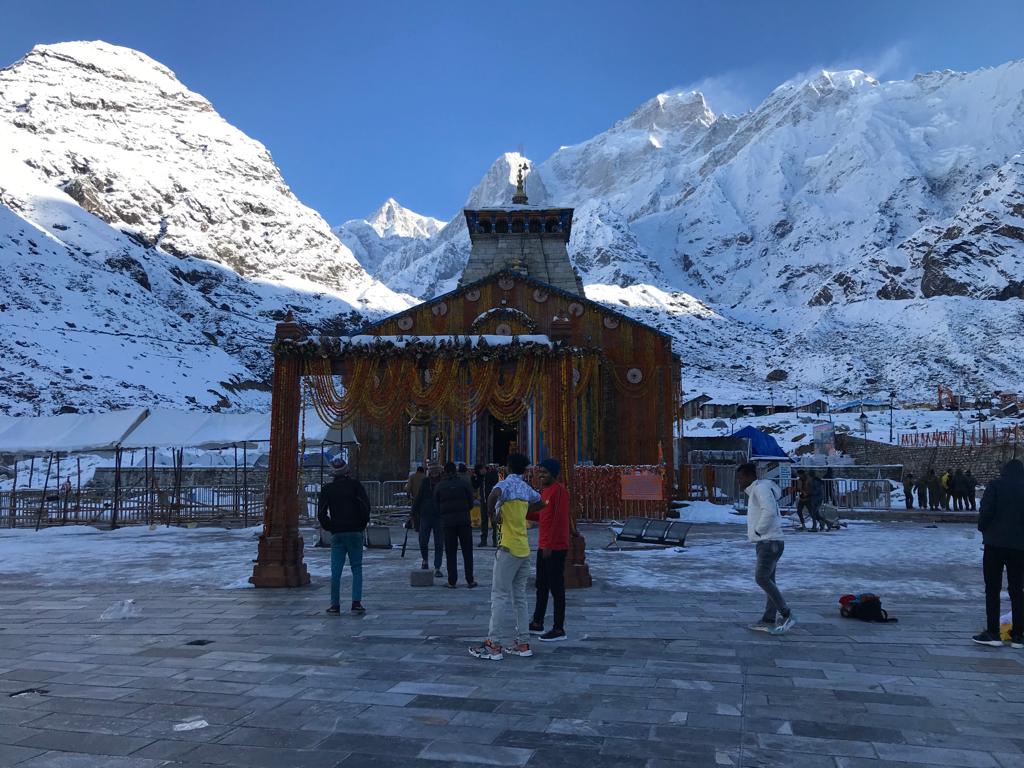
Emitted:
pixel 764 529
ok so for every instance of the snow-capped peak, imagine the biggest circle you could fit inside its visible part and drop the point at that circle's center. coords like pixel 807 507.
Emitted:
pixel 392 219
pixel 106 60
pixel 499 183
pixel 670 111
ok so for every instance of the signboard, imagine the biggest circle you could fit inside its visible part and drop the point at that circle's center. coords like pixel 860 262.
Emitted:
pixel 642 487
pixel 824 439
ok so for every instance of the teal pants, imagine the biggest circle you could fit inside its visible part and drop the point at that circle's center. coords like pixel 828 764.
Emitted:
pixel 348 545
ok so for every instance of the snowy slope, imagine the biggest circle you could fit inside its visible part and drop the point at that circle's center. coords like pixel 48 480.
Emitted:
pixel 848 231
pixel 146 246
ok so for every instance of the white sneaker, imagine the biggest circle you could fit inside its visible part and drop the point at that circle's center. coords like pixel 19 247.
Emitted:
pixel 783 625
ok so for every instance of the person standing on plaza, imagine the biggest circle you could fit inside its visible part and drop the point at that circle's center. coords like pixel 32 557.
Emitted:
pixel 764 529
pixel 971 486
pixel 934 490
pixel 482 484
pixel 453 499
pixel 922 492
pixel 803 502
pixel 908 489
pixel 426 519
pixel 1001 522
pixel 510 501
pixel 958 489
pixel 817 499
pixel 344 511
pixel 552 550
pixel 946 483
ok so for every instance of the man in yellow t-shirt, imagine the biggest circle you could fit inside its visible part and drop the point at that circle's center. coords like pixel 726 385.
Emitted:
pixel 509 501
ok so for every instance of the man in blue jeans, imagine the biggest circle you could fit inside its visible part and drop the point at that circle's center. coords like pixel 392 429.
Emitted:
pixel 344 511
pixel 764 528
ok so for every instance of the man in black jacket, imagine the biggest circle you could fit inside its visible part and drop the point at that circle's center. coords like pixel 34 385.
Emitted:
pixel 426 520
pixel 1001 522
pixel 454 499
pixel 344 511
pixel 483 481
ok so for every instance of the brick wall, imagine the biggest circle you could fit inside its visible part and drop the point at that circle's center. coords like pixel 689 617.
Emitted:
pixel 984 461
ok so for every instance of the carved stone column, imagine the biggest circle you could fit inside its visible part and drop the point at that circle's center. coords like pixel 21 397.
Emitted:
pixel 279 562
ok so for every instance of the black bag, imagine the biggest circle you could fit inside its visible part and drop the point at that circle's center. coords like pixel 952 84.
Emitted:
pixel 866 607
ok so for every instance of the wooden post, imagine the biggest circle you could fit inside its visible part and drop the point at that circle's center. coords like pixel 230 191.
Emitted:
pixel 42 499
pixel 117 489
pixel 31 469
pixel 14 497
pixel 279 561
pixel 234 484
pixel 245 485
pixel 78 489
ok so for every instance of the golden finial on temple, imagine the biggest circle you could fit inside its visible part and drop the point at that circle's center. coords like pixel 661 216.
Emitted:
pixel 520 198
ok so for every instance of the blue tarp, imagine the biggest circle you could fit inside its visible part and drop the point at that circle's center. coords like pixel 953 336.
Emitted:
pixel 762 445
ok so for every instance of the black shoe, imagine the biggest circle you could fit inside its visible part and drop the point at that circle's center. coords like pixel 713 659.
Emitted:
pixel 334 610
pixel 357 607
pixel 1017 641
pixel 987 638
pixel 450 585
pixel 437 573
pixel 554 635
pixel 424 566
pixel 471 584
pixel 536 627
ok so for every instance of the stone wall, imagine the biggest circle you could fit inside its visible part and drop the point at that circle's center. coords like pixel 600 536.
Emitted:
pixel 544 256
pixel 984 461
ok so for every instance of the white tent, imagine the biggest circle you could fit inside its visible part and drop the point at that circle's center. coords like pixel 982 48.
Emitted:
pixel 166 428
pixel 68 432
pixel 149 428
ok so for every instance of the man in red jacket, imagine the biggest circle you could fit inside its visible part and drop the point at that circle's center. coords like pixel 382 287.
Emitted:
pixel 552 549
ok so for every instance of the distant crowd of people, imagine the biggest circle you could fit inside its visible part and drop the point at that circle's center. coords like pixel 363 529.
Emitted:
pixel 936 491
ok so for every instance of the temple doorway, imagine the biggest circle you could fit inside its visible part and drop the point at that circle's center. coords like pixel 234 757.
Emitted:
pixel 504 440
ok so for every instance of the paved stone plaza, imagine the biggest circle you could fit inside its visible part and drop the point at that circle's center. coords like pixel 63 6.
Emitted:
pixel 659 670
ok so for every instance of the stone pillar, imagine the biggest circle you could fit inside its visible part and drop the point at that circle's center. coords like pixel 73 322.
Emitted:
pixel 279 562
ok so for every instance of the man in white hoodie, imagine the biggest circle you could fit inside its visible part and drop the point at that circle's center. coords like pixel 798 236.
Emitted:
pixel 764 528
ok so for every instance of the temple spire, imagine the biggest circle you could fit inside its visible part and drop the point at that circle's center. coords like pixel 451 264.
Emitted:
pixel 520 198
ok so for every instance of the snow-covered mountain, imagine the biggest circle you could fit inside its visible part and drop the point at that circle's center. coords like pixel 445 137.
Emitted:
pixel 850 232
pixel 386 230
pixel 146 246
pixel 860 236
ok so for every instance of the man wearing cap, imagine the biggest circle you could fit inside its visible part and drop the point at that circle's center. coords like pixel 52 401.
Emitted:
pixel 344 511
pixel 552 550
pixel 427 519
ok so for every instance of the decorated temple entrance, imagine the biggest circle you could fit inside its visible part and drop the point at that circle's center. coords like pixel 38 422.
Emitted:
pixel 419 386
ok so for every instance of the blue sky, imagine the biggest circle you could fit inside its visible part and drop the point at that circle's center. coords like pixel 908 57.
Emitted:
pixel 361 101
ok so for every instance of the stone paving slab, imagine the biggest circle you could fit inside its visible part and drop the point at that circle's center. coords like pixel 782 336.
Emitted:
pixel 655 673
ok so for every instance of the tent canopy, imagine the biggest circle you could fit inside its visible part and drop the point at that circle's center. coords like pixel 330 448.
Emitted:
pixel 68 432
pixel 166 428
pixel 149 428
pixel 762 445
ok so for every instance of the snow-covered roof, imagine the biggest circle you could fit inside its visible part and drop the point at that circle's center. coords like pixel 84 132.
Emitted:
pixel 149 428
pixel 473 340
pixel 170 428
pixel 68 432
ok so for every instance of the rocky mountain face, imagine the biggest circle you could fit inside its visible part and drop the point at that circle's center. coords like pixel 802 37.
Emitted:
pixel 855 234
pixel 147 247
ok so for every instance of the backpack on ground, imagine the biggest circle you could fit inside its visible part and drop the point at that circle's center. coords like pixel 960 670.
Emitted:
pixel 866 607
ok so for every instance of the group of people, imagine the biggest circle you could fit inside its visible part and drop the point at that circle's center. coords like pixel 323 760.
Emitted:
pixel 1000 520
pixel 810 492
pixel 442 501
pixel 935 491
pixel 445 498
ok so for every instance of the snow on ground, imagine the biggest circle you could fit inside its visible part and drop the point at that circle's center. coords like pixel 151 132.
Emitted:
pixel 898 559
